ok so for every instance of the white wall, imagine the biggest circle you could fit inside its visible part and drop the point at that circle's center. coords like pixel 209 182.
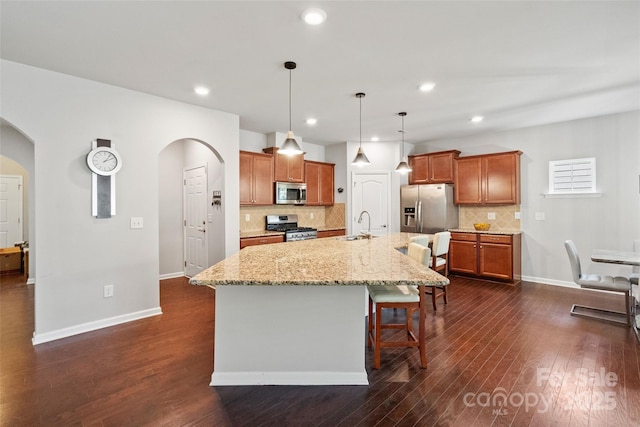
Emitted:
pixel 609 222
pixel 77 254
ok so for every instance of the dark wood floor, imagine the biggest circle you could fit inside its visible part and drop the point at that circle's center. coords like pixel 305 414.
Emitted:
pixel 490 344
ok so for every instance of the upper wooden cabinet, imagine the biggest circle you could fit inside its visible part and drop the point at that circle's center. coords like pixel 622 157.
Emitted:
pixel 287 168
pixel 256 178
pixel 319 178
pixel 432 168
pixel 488 179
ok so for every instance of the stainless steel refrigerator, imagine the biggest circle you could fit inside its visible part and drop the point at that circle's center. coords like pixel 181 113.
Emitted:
pixel 427 208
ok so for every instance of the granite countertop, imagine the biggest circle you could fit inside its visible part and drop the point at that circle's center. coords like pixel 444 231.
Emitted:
pixel 322 262
pixel 473 230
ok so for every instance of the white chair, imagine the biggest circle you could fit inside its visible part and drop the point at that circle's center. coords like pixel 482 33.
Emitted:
pixel 407 297
pixel 440 263
pixel 635 276
pixel 603 283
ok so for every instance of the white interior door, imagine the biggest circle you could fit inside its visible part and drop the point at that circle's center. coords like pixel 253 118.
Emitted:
pixel 371 193
pixel 196 247
pixel 10 210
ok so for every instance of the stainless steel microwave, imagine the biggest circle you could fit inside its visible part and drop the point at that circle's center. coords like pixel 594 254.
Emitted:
pixel 291 193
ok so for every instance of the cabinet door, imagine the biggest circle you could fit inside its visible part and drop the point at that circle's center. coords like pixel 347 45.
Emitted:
pixel 246 179
pixel 441 168
pixel 495 261
pixel 296 168
pixel 468 180
pixel 501 181
pixel 326 184
pixel 312 176
pixel 263 180
pixel 281 167
pixel 462 257
pixel 288 168
pixel 419 169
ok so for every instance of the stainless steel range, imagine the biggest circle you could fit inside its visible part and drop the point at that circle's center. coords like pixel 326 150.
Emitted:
pixel 289 224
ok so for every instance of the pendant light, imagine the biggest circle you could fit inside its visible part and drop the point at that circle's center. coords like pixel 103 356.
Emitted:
pixel 361 158
pixel 403 166
pixel 290 147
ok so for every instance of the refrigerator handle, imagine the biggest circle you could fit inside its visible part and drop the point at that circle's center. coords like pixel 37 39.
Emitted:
pixel 415 210
pixel 419 220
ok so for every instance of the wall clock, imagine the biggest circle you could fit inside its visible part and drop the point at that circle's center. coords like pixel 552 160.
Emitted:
pixel 103 161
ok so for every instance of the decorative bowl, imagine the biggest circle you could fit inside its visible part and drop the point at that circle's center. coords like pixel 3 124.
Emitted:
pixel 482 226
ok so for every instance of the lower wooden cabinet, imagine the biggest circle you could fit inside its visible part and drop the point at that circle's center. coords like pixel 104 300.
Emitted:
pixel 331 233
pixel 489 256
pixel 263 240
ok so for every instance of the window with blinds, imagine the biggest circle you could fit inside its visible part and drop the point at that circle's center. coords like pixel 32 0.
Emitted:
pixel 572 176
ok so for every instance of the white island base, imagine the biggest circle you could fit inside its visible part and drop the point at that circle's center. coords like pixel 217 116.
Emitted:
pixel 290 335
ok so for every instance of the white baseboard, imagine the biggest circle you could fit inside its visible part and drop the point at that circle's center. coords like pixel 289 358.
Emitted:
pixel 172 275
pixel 92 326
pixel 289 378
pixel 545 281
pixel 31 281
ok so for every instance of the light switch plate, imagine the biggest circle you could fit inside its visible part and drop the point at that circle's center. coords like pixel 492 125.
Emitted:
pixel 491 215
pixel 517 215
pixel 137 222
pixel 247 217
pixel 540 216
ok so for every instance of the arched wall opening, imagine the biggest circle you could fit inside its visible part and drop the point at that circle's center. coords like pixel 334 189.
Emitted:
pixel 17 158
pixel 173 160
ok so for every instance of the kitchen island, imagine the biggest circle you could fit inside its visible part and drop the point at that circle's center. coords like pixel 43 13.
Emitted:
pixel 294 312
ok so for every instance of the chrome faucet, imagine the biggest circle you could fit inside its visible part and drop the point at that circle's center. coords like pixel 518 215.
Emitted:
pixel 368 233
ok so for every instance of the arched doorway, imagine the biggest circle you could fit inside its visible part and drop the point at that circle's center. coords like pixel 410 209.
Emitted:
pixel 17 159
pixel 176 161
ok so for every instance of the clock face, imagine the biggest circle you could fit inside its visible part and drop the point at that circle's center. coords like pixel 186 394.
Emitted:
pixel 104 161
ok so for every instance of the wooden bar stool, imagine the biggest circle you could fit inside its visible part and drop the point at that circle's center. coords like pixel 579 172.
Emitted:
pixel 409 298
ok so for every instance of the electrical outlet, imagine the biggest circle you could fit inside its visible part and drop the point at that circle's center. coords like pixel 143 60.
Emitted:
pixel 540 216
pixel 491 215
pixel 137 222
pixel 247 217
pixel 311 215
pixel 517 215
pixel 108 291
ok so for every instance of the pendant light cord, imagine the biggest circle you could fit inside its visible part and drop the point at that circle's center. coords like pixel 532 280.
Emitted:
pixel 360 98
pixel 290 100
pixel 402 159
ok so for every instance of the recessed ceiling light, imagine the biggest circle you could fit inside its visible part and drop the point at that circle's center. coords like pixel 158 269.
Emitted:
pixel 375 139
pixel 314 16
pixel 427 87
pixel 201 90
pixel 477 119
pixel 311 121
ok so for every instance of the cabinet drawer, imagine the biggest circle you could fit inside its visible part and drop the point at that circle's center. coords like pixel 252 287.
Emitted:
pixel 495 238
pixel 467 237
pixel 330 233
pixel 264 240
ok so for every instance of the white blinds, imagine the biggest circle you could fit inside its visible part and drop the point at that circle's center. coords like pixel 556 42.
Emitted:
pixel 572 176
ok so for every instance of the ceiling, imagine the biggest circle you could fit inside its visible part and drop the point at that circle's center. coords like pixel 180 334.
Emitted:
pixel 516 63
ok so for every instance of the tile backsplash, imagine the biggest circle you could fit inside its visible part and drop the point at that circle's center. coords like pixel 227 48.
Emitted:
pixel 505 217
pixel 308 216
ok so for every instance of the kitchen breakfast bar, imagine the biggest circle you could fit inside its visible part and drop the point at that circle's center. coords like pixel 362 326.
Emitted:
pixel 294 313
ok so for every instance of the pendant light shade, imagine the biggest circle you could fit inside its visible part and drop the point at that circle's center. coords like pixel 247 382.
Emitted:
pixel 403 166
pixel 290 146
pixel 360 159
